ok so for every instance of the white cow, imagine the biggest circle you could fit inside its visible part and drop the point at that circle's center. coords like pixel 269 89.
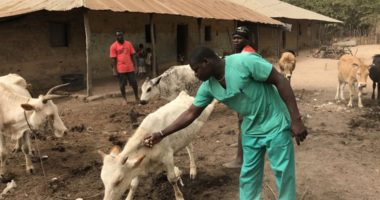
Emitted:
pixel 121 169
pixel 19 113
pixel 170 83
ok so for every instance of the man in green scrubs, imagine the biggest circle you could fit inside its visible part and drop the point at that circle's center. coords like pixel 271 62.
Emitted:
pixel 251 86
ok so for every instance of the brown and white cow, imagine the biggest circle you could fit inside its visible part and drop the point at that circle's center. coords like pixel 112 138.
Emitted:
pixel 19 113
pixel 287 63
pixel 353 72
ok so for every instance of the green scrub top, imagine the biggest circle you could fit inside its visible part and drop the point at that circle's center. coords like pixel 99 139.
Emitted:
pixel 260 104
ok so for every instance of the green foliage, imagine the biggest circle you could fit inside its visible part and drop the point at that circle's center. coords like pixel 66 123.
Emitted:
pixel 356 14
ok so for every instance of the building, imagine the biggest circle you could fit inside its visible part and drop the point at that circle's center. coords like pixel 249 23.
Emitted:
pixel 44 39
pixel 304 27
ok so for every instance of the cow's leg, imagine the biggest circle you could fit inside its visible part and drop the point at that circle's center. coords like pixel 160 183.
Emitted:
pixel 17 146
pixel 26 150
pixel 378 93
pixel 343 85
pixel 173 175
pixel 351 90
pixel 337 91
pixel 360 92
pixel 3 155
pixel 373 89
pixel 132 190
pixel 193 167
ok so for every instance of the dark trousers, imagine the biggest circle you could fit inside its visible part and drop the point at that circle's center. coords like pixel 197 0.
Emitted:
pixel 131 77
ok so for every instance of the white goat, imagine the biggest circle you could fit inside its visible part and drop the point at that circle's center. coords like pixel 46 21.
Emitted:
pixel 121 169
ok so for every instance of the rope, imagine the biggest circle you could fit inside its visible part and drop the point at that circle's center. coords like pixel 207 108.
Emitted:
pixel 34 133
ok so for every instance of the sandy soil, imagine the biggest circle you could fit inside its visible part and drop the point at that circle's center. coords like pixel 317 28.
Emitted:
pixel 339 160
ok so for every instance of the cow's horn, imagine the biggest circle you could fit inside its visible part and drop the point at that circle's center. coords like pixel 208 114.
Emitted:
pixel 56 87
pixel 53 96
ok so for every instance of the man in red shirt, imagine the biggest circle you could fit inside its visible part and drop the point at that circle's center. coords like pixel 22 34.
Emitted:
pixel 242 44
pixel 123 60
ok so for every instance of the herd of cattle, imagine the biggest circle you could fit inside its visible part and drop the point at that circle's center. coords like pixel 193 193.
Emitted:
pixel 21 115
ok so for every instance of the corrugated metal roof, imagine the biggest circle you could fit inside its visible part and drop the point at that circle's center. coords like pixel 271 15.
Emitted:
pixel 210 9
pixel 279 9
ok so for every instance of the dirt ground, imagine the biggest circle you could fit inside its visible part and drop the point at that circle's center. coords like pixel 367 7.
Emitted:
pixel 339 160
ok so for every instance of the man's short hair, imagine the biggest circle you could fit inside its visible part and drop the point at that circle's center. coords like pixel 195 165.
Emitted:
pixel 242 31
pixel 200 53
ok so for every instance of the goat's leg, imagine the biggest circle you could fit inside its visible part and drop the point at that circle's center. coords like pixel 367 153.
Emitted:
pixel 173 175
pixel 193 167
pixel 26 150
pixel 3 155
pixel 132 190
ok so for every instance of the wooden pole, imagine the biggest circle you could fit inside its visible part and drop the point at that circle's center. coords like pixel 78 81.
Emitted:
pixel 88 45
pixel 154 62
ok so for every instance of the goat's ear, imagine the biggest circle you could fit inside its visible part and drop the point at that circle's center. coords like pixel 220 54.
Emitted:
pixel 102 154
pixel 157 80
pixel 27 106
pixel 135 163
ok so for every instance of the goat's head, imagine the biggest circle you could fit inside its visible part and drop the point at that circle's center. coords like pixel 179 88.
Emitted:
pixel 117 173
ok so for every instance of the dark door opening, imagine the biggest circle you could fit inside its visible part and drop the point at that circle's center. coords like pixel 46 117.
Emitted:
pixel 283 39
pixel 182 34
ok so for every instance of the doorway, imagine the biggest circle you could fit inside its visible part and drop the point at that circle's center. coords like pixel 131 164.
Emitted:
pixel 182 37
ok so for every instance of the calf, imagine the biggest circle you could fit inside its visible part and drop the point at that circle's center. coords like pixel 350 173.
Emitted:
pixel 121 169
pixel 374 74
pixel 351 71
pixel 170 83
pixel 20 114
pixel 287 63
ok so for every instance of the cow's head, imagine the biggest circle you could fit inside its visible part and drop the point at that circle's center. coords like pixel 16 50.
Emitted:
pixel 287 64
pixel 149 90
pixel 287 70
pixel 362 72
pixel 117 173
pixel 45 114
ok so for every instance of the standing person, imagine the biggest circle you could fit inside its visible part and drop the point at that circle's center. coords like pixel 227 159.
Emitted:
pixel 141 55
pixel 251 86
pixel 241 40
pixel 149 59
pixel 123 60
pixel 242 44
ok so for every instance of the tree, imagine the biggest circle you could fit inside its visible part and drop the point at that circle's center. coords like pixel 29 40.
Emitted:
pixel 356 14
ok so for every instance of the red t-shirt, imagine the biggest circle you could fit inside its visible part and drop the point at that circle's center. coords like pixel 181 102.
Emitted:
pixel 248 49
pixel 122 53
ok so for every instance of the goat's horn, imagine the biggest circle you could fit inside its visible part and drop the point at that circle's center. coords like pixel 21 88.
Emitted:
pixel 56 87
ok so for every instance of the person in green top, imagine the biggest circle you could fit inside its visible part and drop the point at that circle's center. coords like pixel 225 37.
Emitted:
pixel 251 86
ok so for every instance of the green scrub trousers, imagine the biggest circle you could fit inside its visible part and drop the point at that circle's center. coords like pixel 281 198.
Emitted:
pixel 281 157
